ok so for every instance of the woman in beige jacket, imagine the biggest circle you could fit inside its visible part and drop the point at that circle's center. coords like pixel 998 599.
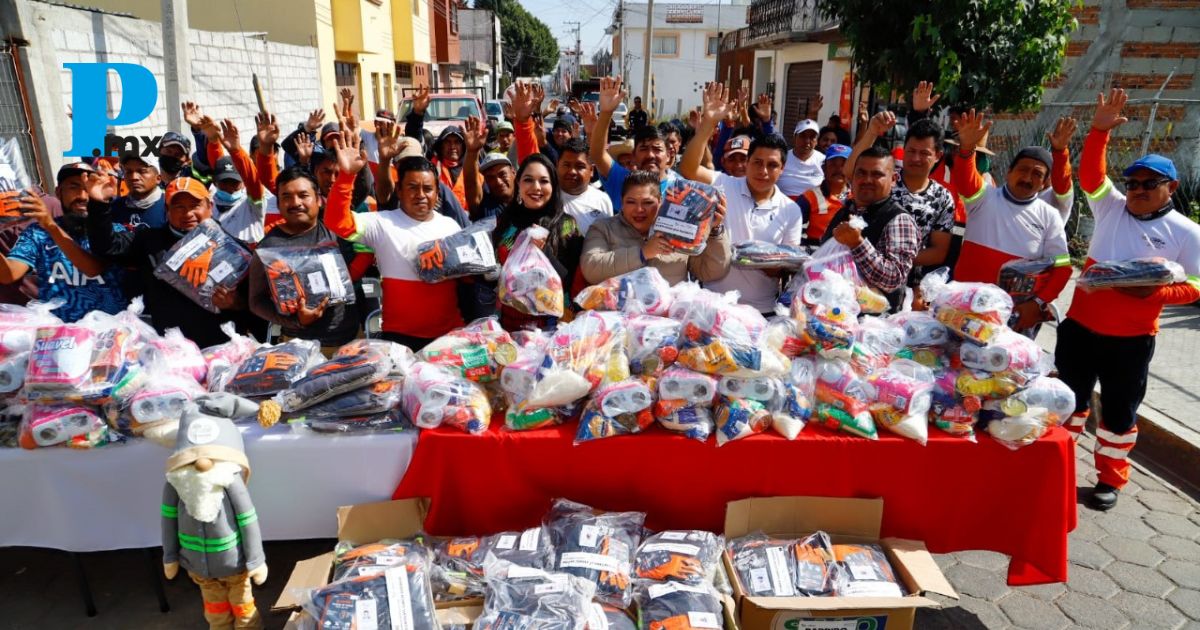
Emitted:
pixel 619 244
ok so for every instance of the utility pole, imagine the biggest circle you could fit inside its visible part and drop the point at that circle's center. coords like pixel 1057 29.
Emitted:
pixel 646 52
pixel 624 74
pixel 176 63
pixel 578 51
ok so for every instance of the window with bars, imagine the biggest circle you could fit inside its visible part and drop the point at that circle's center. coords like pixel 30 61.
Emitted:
pixel 404 71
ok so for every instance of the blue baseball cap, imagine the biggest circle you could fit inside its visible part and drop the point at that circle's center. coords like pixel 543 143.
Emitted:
pixel 1154 162
pixel 838 151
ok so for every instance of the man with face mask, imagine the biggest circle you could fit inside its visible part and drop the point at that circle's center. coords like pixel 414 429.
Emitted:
pixel 175 157
pixel 300 204
pixel 650 151
pixel 57 252
pixel 144 205
pixel 188 203
pixel 1010 222
pixel 1109 334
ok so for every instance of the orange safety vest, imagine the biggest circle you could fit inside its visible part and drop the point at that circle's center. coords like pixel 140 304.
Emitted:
pixel 457 187
pixel 820 211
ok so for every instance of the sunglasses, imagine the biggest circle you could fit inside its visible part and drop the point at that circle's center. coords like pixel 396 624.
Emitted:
pixel 1144 184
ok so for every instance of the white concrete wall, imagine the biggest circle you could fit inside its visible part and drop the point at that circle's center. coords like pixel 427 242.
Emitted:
pixel 222 64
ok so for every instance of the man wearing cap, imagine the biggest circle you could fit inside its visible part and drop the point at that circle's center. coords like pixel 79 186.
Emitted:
pixel 756 210
pixel 733 159
pixel 486 195
pixel 144 205
pixel 803 169
pixel 188 203
pixel 1009 223
pixel 393 147
pixel 504 139
pixel 175 158
pixel 1108 335
pixel 57 252
pixel 650 152
pixel 820 204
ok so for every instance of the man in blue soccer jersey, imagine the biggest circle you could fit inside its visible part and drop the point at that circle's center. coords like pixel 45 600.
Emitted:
pixel 56 250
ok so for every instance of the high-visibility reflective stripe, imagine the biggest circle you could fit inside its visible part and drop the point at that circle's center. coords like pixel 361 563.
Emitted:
pixel 1101 191
pixel 170 512
pixel 245 610
pixel 977 195
pixel 209 545
pixel 1062 260
pixel 1194 281
pixel 958 230
pixel 1113 438
pixel 1112 452
pixel 217 608
pixel 1077 421
pixel 247 518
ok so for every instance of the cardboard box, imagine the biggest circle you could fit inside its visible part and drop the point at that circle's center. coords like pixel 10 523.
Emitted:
pixel 368 523
pixel 846 521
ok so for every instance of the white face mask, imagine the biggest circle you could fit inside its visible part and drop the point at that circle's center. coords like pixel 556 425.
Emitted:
pixel 202 493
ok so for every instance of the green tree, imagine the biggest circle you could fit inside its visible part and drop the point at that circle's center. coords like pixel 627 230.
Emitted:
pixel 979 53
pixel 530 49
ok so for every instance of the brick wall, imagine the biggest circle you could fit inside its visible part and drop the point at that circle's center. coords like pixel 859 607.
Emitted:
pixel 221 66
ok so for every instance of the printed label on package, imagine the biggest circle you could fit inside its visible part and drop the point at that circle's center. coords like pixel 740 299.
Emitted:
pixel 399 598
pixel 187 251
pixel 589 535
pixel 673 227
pixel 760 580
pixel 530 538
pixel 337 290
pixel 703 620
pixel 781 578
pixel 687 550
pixel 506 542
pixel 666 588
pixel 316 282
pixel 673 535
pixel 221 271
pixel 591 561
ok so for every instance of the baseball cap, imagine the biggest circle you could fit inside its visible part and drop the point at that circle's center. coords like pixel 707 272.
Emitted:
pixel 1038 153
pixel 224 170
pixel 504 126
pixel 177 139
pixel 807 125
pixel 1154 162
pixel 186 186
pixel 738 144
pixel 386 115
pixel 130 156
pixel 329 128
pixel 74 168
pixel 837 151
pixel 564 122
pixel 409 147
pixel 493 159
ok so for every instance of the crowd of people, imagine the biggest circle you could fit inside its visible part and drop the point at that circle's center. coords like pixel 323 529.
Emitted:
pixel 380 190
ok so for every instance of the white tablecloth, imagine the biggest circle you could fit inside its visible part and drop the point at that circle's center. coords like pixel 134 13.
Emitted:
pixel 109 498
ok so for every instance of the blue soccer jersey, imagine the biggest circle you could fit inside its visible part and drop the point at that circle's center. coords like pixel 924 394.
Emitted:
pixel 59 279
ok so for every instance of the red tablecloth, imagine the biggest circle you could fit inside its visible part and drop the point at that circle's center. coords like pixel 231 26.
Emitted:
pixel 953 494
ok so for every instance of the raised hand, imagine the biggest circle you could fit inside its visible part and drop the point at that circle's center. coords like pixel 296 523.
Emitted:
pixel 350 157
pixel 304 148
pixel 388 136
pixel 268 132
pixel 315 120
pixel 347 100
pixel 1064 130
pixel 814 107
pixel 309 316
pixel 523 101
pixel 611 94
pixel 882 122
pixel 210 128
pixel 191 113
pixel 231 138
pixel 32 206
pixel 764 107
pixel 1108 111
pixel 475 135
pixel 589 117
pixel 923 97
pixel 101 187
pixel 538 94
pixel 972 129
pixel 714 103
pixel 420 99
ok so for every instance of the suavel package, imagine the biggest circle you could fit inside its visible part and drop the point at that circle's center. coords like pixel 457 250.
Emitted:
pixel 306 276
pixel 596 546
pixel 205 259
pixel 686 215
pixel 465 253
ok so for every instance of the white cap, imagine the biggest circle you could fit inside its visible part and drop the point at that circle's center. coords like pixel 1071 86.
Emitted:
pixel 807 124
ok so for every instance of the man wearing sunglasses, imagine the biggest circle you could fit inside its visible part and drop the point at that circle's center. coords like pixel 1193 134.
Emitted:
pixel 1109 333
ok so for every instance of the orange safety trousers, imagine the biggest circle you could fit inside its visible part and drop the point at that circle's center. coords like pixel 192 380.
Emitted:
pixel 228 602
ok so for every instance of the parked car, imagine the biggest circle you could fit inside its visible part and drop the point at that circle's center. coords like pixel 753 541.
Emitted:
pixel 445 109
pixel 495 111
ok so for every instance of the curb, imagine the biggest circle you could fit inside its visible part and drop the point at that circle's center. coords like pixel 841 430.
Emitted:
pixel 1165 446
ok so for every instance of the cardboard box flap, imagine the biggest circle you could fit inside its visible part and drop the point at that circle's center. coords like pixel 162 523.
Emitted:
pixel 841 603
pixel 310 573
pixel 923 571
pixel 803 515
pixel 372 522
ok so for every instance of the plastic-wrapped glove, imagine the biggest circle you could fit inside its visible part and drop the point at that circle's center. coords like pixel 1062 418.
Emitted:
pixel 478 351
pixel 686 215
pixel 519 598
pixel 598 547
pixel 434 396
pixel 767 255
pixel 817 574
pixel 222 360
pixel 350 559
pixel 468 252
pixel 620 408
pixel 205 259
pixel 766 567
pixel 306 275
pixel 272 369
pixel 674 606
pixel 640 291
pixel 866 572
pixel 528 282
pixel 1138 272
pixel 689 557
pixel 400 596
pixel 339 375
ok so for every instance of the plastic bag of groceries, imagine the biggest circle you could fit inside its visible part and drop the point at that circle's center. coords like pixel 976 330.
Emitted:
pixel 19 325
pixel 620 408
pixel 306 275
pixel 205 259
pixel 517 380
pixel 1044 391
pixel 223 359
pixel 577 359
pixel 835 257
pixel 81 362
pixel 765 566
pixel 528 281
pixel 738 418
pixel 788 335
pixel 685 557
pixel 272 369
pixel 75 426
pixel 903 396
pixel 719 336
pixel 477 351
pixel 680 606
pixel 686 215
pixel 1152 271
pixel 975 311
pixel 155 405
pixel 843 397
pixel 685 400
pixel 793 406
pixel 435 396
pixel 983 385
pixel 398 596
pixel 520 597
pixel 921 329
pixel 651 343
pixel 876 341
pixel 1024 429
pixel 767 255
pixel 174 352
pixel 950 411
pixel 642 290
pixel 468 252
pixel 12 372
pixel 363 365
pixel 830 313
pixel 596 546
pixel 1008 352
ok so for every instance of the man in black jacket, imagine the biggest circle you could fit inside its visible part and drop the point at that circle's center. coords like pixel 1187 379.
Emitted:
pixel 188 204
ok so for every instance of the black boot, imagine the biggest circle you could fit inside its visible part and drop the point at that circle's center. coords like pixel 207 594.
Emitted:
pixel 1104 497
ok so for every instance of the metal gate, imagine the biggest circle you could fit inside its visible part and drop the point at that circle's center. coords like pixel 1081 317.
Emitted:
pixel 803 85
pixel 14 111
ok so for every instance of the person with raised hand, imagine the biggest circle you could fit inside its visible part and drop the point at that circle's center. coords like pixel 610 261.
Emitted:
pixel 490 177
pixel 1108 335
pixel 392 147
pixel 1061 191
pixel 650 152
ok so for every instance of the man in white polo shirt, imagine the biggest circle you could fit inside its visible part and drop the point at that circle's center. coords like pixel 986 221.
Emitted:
pixel 803 171
pixel 755 207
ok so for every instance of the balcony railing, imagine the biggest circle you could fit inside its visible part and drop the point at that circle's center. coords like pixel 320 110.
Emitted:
pixel 772 18
pixel 735 40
